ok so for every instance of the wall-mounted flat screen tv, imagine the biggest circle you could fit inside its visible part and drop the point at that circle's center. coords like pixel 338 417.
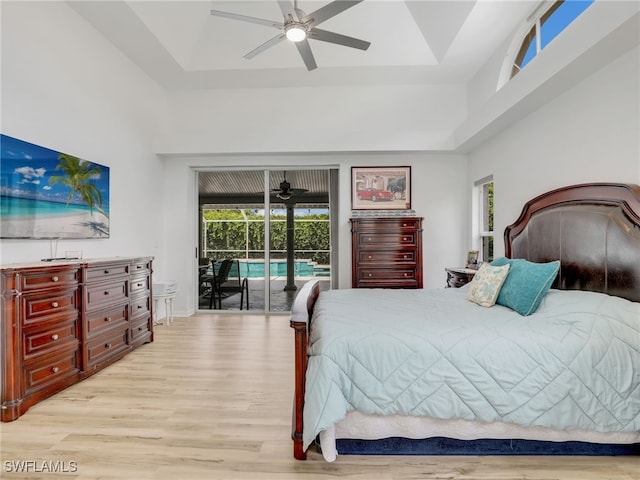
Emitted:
pixel 50 194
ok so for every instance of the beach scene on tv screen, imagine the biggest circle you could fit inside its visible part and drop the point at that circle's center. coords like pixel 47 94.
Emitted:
pixel 50 194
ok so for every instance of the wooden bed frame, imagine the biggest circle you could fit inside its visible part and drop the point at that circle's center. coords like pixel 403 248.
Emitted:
pixel 593 229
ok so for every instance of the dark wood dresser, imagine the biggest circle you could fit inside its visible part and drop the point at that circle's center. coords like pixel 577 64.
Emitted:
pixel 64 320
pixel 386 252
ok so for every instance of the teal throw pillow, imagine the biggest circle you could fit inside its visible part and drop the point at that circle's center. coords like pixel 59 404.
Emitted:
pixel 527 283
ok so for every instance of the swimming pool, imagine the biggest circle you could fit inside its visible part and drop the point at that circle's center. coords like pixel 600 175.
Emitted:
pixel 278 268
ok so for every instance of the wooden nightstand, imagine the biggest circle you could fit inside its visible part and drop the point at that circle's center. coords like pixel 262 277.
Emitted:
pixel 459 276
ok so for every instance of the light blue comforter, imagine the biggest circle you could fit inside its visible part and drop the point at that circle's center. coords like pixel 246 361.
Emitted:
pixel 575 363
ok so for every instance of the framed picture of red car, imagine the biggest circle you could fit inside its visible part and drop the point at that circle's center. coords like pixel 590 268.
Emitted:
pixel 380 188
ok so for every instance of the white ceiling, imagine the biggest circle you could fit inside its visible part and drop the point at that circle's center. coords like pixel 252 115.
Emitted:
pixel 181 46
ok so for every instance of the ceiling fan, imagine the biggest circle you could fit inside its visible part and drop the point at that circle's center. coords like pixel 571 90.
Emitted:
pixel 285 192
pixel 298 27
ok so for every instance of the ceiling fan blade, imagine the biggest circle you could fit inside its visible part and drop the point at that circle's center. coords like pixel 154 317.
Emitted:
pixel 268 44
pixel 330 10
pixel 288 9
pixel 245 18
pixel 306 54
pixel 331 37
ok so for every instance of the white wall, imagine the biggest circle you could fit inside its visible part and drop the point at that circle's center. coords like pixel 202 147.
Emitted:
pixel 591 133
pixel 66 88
pixel 439 194
pixel 318 119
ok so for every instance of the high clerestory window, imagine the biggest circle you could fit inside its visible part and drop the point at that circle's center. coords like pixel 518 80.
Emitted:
pixel 541 27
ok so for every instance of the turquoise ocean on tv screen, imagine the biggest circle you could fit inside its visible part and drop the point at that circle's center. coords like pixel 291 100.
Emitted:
pixel 19 207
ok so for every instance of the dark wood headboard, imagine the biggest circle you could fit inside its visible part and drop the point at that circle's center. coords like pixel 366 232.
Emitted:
pixel 593 229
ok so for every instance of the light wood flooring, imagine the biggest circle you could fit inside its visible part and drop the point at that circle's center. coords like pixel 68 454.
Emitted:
pixel 211 399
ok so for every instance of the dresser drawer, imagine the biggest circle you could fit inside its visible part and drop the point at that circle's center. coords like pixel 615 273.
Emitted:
pixel 107 346
pixel 51 371
pixel 457 277
pixel 52 278
pixel 140 284
pixel 383 274
pixel 380 240
pixel 112 317
pixel 140 307
pixel 141 267
pixel 105 294
pixel 106 272
pixel 140 331
pixel 56 336
pixel 386 225
pixel 38 307
pixel 387 256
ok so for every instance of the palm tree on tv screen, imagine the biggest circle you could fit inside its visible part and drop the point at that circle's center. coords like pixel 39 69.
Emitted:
pixel 77 176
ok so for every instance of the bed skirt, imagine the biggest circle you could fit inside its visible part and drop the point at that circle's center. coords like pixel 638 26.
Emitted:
pixel 360 434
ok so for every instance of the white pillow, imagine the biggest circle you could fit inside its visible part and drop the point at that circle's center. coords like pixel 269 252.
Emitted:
pixel 486 284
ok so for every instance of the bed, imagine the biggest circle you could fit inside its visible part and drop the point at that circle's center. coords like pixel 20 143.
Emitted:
pixel 553 358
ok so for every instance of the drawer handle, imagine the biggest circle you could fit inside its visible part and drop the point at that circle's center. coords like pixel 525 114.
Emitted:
pixel 107 345
pixel 139 284
pixel 55 369
pixel 54 278
pixel 107 319
pixel 369 257
pixel 404 224
pixel 106 292
pixel 54 304
pixel 106 272
pixel 138 267
pixel 406 274
pixel 405 239
pixel 369 239
pixel 140 329
pixel 54 337
pixel 371 274
pixel 140 307
pixel 406 256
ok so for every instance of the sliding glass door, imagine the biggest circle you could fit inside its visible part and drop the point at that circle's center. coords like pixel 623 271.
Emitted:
pixel 273 226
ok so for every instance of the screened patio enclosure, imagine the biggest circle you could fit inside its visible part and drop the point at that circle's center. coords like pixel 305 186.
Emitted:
pixel 275 244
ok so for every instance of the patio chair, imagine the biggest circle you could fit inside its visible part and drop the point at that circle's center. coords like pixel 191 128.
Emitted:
pixel 225 284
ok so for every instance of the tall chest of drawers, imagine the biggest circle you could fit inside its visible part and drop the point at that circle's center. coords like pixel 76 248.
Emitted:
pixel 386 252
pixel 62 321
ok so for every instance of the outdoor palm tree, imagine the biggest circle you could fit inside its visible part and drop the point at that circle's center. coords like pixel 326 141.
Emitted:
pixel 77 176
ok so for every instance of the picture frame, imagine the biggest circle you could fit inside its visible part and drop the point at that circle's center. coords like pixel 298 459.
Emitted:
pixel 46 194
pixel 472 259
pixel 380 188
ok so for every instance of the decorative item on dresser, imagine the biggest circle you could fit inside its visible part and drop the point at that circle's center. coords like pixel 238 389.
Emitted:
pixel 64 320
pixel 458 277
pixel 386 252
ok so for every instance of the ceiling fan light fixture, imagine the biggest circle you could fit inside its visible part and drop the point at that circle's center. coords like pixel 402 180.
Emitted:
pixel 284 195
pixel 295 32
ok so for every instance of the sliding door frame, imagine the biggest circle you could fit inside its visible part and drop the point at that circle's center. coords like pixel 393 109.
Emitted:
pixel 332 171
